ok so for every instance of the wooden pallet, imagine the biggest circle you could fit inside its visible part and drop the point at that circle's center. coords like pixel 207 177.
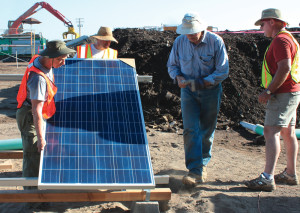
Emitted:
pixel 15 196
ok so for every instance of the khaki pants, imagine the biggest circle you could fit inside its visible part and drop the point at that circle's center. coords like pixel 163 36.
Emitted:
pixel 31 156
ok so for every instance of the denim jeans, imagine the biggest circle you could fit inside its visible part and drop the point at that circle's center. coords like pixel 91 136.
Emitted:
pixel 199 113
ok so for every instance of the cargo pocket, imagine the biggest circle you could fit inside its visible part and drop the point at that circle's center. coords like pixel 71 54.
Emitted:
pixel 26 126
pixel 293 99
pixel 273 104
pixel 25 119
pixel 29 142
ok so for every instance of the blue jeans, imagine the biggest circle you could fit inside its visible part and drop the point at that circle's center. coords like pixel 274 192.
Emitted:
pixel 199 113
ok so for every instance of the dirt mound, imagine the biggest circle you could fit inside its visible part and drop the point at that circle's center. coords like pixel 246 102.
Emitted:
pixel 161 99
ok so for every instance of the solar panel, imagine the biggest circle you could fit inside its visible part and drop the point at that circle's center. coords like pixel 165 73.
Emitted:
pixel 97 137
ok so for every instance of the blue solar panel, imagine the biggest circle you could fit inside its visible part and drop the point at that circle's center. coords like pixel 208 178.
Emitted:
pixel 97 137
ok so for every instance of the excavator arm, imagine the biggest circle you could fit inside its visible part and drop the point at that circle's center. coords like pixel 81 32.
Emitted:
pixel 13 29
pixel 70 31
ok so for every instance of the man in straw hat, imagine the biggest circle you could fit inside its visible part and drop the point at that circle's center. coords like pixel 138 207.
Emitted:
pixel 199 63
pixel 100 49
pixel 36 103
pixel 280 78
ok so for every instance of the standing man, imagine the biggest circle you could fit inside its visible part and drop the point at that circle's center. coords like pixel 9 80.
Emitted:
pixel 280 77
pixel 100 49
pixel 36 103
pixel 199 63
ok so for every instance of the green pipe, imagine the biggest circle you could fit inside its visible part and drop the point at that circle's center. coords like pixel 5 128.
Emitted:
pixel 11 144
pixel 259 129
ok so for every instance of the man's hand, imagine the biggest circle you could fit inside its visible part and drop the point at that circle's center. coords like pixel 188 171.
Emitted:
pixel 181 81
pixel 202 84
pixel 207 83
pixel 264 97
pixel 199 84
pixel 41 144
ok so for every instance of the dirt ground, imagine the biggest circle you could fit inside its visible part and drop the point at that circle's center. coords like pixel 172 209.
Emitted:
pixel 237 155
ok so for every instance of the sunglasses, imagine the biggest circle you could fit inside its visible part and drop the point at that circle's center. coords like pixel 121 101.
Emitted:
pixel 263 23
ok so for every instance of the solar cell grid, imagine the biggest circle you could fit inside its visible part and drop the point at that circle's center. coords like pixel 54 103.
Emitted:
pixel 97 138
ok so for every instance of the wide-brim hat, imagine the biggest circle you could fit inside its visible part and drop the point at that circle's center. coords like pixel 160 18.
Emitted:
pixel 191 24
pixel 270 13
pixel 55 49
pixel 105 34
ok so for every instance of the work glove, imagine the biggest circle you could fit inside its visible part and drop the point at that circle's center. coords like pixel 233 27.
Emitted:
pixel 195 84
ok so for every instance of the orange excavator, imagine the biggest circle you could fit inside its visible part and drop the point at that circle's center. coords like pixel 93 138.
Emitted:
pixel 14 27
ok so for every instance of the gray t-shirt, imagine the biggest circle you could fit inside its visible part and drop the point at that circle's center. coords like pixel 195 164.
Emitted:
pixel 36 84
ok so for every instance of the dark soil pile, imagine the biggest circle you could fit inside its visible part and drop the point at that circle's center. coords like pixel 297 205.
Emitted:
pixel 161 99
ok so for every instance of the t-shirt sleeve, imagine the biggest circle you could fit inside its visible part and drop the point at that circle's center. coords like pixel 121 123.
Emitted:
pixel 37 87
pixel 282 49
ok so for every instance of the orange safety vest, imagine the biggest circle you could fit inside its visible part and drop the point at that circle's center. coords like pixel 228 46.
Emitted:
pixel 49 105
pixel 85 51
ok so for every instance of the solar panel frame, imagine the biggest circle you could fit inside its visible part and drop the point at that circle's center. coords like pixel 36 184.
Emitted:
pixel 135 157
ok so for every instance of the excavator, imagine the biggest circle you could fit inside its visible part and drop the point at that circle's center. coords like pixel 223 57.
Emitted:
pixel 14 27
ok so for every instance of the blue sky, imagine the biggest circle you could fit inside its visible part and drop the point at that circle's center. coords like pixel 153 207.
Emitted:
pixel 223 14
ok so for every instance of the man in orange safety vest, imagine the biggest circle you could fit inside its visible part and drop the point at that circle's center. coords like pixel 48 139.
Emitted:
pixel 36 103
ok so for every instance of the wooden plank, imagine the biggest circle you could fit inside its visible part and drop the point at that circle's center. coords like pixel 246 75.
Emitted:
pixel 11 154
pixel 129 61
pixel 17 196
pixel 7 166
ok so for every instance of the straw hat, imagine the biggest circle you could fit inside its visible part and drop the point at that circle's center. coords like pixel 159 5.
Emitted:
pixel 55 49
pixel 105 34
pixel 270 13
pixel 191 24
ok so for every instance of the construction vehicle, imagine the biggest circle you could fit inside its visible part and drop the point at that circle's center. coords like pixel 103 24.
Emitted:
pixel 16 40
pixel 14 27
pixel 212 28
pixel 24 45
pixel 169 28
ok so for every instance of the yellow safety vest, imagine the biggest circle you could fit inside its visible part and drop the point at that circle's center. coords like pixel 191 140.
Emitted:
pixel 85 51
pixel 266 76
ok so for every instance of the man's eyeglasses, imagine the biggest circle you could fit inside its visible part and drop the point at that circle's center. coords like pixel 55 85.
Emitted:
pixel 264 21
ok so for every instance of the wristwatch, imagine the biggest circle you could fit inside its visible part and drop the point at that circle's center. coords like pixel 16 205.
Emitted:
pixel 268 92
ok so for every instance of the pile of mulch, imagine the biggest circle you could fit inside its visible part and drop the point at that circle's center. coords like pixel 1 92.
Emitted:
pixel 161 98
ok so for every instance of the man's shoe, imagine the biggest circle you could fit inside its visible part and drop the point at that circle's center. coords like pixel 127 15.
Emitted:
pixel 285 178
pixel 192 179
pixel 261 184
